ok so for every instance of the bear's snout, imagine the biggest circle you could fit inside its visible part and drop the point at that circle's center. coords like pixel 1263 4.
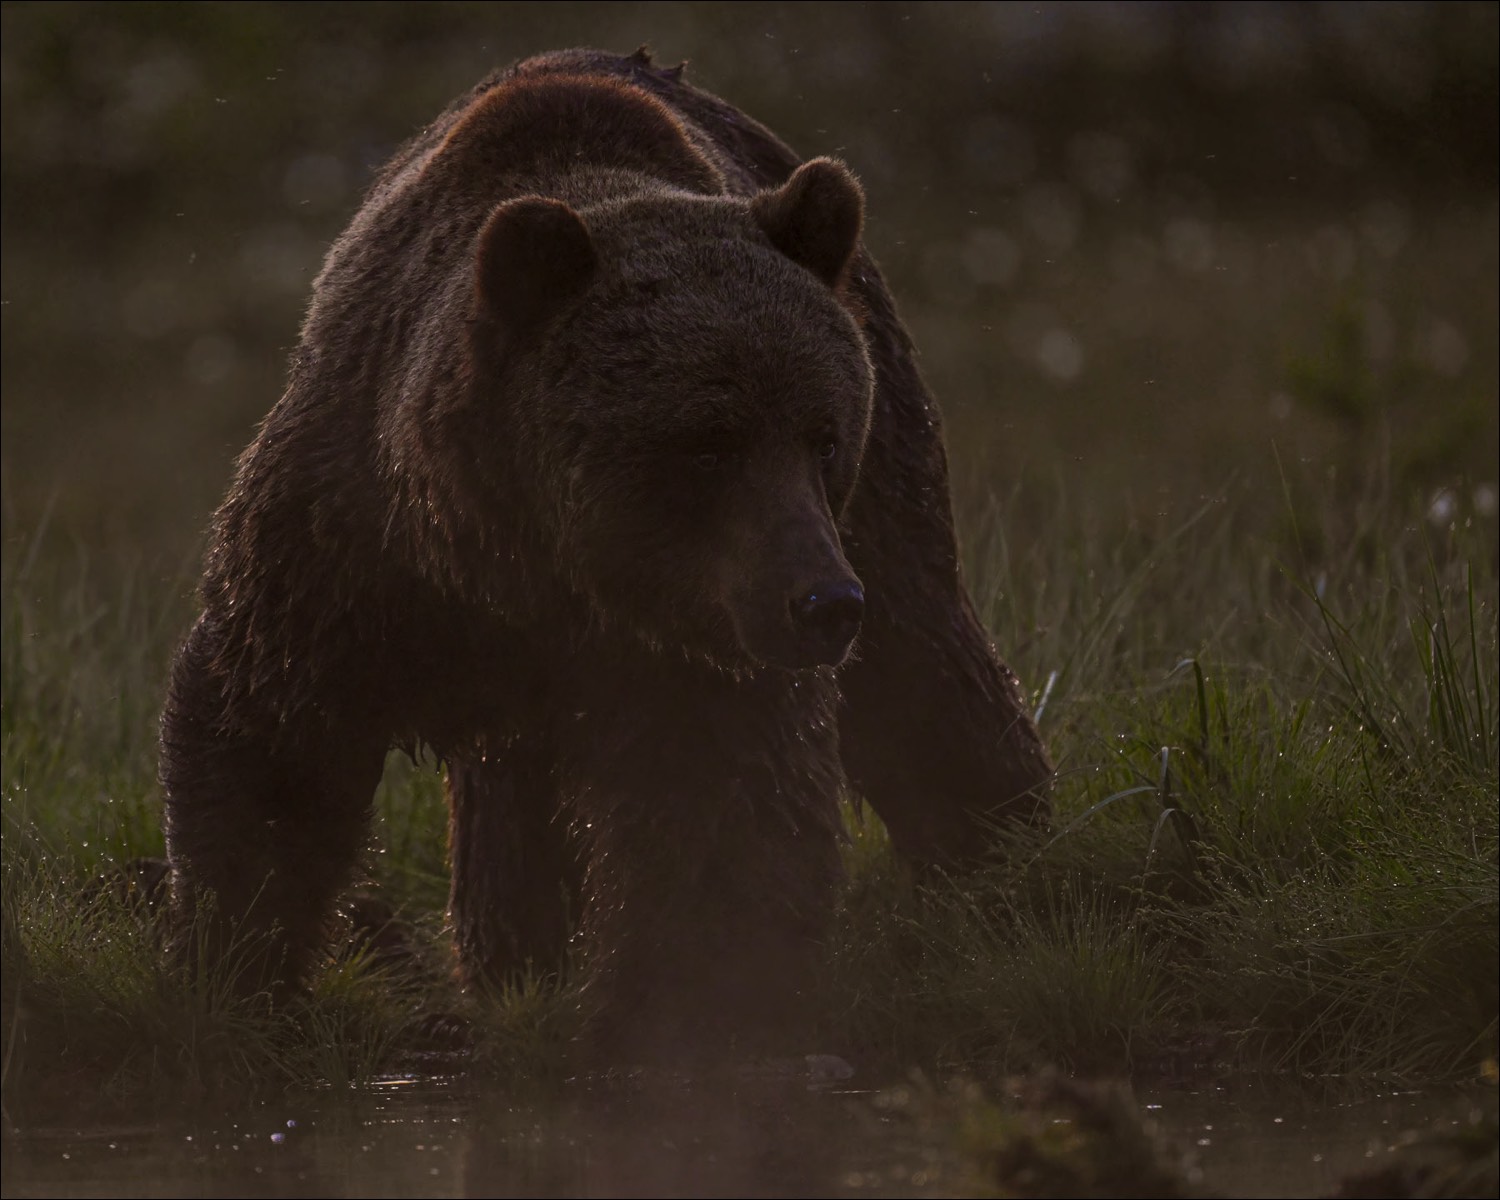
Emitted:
pixel 799 625
pixel 826 618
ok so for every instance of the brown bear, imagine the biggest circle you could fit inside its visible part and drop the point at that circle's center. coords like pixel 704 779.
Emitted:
pixel 604 470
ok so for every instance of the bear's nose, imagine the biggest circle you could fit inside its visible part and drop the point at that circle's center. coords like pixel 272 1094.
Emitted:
pixel 827 617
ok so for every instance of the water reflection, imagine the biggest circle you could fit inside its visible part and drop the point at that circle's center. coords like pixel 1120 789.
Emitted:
pixel 749 1136
pixel 443 1139
pixel 1259 1138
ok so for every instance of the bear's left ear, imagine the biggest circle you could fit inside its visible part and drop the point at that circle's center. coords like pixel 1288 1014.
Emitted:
pixel 534 256
pixel 815 217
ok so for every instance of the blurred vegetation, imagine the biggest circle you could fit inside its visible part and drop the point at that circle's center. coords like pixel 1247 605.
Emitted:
pixel 1138 244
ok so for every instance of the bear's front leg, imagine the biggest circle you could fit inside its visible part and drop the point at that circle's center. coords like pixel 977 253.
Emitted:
pixel 515 870
pixel 935 732
pixel 707 810
pixel 264 822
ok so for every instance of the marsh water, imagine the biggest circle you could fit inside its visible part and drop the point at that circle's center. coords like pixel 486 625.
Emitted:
pixel 444 1136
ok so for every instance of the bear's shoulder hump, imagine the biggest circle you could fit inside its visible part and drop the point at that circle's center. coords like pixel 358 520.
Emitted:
pixel 563 122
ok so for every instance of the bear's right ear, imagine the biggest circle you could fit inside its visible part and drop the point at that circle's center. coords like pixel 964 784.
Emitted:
pixel 534 256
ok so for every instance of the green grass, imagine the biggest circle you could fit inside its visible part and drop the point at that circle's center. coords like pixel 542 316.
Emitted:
pixel 1274 849
pixel 1275 835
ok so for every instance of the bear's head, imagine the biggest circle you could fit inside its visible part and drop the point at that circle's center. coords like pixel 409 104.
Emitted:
pixel 688 397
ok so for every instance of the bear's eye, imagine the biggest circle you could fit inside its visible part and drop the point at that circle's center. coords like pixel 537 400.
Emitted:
pixel 827 449
pixel 707 461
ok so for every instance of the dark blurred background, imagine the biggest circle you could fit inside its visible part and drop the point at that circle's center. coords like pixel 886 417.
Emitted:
pixel 1148 250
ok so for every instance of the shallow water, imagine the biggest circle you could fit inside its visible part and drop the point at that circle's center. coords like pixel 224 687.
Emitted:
pixel 1269 1139
pixel 446 1137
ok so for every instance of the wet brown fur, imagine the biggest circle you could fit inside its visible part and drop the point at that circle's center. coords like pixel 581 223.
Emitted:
pixel 585 391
